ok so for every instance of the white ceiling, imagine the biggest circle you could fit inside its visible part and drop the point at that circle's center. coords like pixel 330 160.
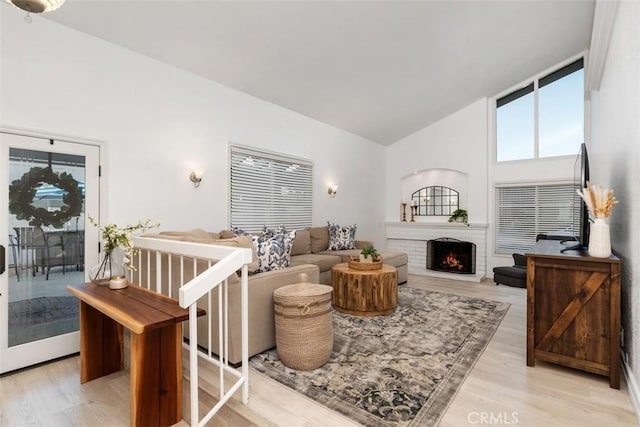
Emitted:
pixel 379 69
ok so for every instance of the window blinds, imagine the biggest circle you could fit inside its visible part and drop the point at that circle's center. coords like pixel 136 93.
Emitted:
pixel 269 189
pixel 523 212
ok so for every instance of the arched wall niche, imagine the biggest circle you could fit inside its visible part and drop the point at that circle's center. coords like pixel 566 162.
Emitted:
pixel 454 179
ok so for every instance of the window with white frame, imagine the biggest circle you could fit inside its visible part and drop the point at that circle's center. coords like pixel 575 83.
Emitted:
pixel 544 118
pixel 524 211
pixel 269 189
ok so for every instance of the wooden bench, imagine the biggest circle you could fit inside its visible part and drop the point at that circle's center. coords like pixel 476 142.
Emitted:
pixel 154 321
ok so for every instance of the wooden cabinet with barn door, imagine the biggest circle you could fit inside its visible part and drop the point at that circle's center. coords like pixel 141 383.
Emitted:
pixel 573 310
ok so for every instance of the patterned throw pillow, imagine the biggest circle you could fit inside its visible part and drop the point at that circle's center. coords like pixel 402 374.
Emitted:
pixel 269 232
pixel 274 253
pixel 281 229
pixel 239 232
pixel 341 237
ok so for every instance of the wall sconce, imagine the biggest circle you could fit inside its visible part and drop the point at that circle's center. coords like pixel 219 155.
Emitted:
pixel 332 190
pixel 196 177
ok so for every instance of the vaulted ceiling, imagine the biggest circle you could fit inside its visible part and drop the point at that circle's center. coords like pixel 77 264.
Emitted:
pixel 379 69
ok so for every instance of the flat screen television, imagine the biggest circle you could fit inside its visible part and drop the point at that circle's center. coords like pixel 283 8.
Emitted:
pixel 581 176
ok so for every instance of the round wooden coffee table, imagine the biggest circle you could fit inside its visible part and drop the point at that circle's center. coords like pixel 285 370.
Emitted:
pixel 365 292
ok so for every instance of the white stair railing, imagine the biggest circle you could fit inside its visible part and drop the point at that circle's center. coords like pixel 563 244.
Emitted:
pixel 222 262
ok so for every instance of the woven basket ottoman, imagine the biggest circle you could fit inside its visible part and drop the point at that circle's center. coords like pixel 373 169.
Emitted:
pixel 304 325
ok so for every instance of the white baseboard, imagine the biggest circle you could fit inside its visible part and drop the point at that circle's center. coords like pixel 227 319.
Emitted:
pixel 634 390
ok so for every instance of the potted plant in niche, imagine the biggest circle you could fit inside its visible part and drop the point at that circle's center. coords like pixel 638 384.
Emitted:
pixel 459 215
pixel 369 254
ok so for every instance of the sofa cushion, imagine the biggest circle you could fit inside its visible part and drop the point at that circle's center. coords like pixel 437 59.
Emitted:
pixel 361 244
pixel 240 242
pixel 341 237
pixel 163 236
pixel 246 242
pixel 227 234
pixel 302 243
pixel 319 238
pixel 343 255
pixel 395 259
pixel 181 267
pixel 324 262
pixel 182 236
pixel 196 232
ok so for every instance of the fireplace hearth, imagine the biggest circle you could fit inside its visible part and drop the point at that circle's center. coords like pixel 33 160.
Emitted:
pixel 451 256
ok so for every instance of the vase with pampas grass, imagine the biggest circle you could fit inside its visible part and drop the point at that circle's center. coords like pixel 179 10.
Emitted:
pixel 600 202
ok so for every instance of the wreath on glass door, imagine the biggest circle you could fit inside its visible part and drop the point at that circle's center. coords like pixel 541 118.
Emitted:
pixel 23 190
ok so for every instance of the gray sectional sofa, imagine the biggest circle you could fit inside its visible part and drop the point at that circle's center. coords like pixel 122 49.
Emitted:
pixel 311 244
pixel 309 255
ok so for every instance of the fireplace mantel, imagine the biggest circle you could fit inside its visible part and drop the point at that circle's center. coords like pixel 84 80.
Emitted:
pixel 412 237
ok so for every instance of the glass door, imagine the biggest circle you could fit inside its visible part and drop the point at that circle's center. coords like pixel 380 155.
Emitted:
pixel 50 188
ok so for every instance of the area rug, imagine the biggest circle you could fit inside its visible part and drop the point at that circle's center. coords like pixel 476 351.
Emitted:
pixel 397 370
pixel 37 318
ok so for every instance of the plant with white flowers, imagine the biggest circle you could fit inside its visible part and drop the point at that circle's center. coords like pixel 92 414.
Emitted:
pixel 114 236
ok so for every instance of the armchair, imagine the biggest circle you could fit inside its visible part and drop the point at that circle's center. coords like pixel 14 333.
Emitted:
pixel 512 276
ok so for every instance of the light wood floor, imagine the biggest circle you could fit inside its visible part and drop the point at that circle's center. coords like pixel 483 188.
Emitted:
pixel 501 389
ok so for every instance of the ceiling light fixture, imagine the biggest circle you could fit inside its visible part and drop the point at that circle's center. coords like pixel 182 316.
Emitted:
pixel 36 6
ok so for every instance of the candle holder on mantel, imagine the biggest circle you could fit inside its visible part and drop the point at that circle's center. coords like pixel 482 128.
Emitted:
pixel 404 212
pixel 413 212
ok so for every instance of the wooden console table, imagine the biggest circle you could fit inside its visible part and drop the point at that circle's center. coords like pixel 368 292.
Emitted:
pixel 154 321
pixel 573 310
pixel 365 292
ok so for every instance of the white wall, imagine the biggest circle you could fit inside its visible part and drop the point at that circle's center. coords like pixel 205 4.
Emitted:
pixel 614 160
pixel 160 122
pixel 457 180
pixel 458 143
pixel 464 142
pixel 549 170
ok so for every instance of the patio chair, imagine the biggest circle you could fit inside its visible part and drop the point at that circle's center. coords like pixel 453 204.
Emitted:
pixel 13 244
pixel 45 251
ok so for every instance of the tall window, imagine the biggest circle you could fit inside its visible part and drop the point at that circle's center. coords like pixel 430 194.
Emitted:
pixel 269 189
pixel 543 119
pixel 523 212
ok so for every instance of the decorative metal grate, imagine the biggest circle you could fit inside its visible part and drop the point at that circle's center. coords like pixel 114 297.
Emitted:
pixel 451 256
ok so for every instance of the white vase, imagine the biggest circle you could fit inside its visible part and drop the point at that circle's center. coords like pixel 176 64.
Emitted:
pixel 599 239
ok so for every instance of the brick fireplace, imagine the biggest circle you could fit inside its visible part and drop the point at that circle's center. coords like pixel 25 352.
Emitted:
pixel 412 238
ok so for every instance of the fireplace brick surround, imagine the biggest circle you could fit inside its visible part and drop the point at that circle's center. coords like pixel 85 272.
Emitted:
pixel 412 238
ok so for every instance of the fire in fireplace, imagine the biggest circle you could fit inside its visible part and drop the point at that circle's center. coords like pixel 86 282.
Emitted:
pixel 451 255
pixel 452 262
